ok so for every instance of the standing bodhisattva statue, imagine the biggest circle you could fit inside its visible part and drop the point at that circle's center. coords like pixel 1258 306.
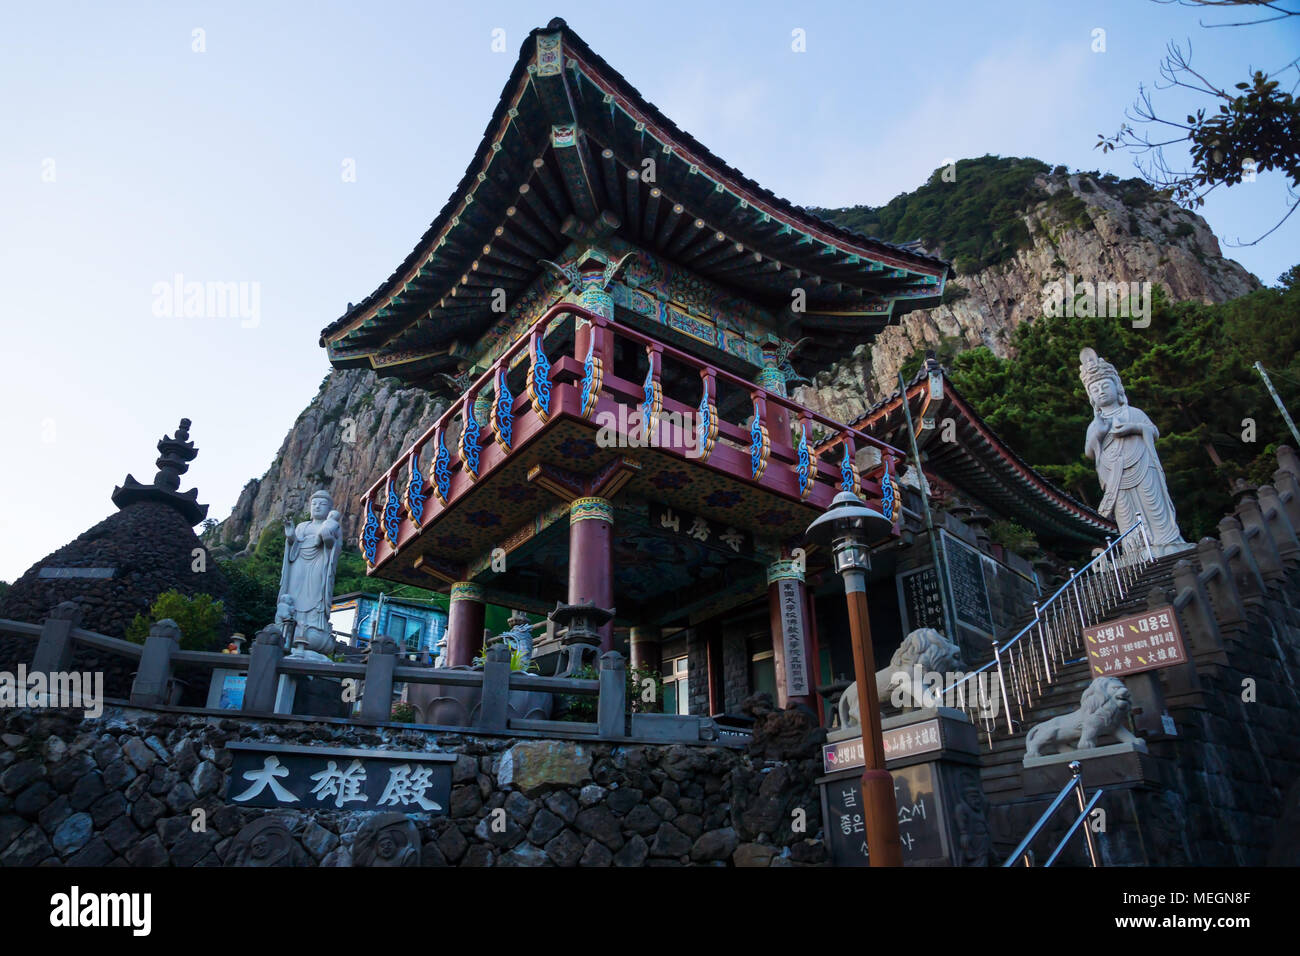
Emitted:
pixel 311 558
pixel 1122 441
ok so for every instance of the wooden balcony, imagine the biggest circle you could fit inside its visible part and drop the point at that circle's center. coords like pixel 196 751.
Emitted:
pixel 561 424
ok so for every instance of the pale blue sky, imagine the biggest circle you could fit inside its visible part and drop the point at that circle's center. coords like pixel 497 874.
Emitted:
pixel 226 166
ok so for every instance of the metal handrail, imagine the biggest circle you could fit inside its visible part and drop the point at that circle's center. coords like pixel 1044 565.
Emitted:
pixel 1059 621
pixel 1075 786
pixel 1079 821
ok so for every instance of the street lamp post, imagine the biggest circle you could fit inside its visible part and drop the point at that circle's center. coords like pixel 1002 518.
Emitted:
pixel 848 526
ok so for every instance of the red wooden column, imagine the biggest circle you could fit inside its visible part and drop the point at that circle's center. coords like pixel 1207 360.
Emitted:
pixel 791 644
pixel 465 623
pixel 644 647
pixel 591 552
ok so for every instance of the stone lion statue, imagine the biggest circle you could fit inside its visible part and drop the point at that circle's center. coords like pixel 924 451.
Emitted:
pixel 1103 711
pixel 924 649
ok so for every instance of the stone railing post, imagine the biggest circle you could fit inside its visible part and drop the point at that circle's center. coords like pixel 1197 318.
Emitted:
pixel 1263 547
pixel 1279 523
pixel 611 706
pixel 1287 482
pixel 152 684
pixel 55 648
pixel 381 663
pixel 263 671
pixel 494 706
pixel 1250 582
pixel 1202 628
pixel 1221 587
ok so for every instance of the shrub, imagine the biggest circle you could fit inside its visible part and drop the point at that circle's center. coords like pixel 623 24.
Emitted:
pixel 1013 537
pixel 199 618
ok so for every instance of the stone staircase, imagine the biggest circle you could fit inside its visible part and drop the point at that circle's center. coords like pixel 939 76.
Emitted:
pixel 1001 764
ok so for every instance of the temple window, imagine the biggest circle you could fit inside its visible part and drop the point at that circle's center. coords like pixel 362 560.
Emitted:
pixel 677 695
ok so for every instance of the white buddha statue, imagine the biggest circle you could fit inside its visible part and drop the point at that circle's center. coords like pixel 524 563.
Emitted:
pixel 1122 442
pixel 311 556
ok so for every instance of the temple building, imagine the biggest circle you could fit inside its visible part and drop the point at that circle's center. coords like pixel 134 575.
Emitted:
pixel 615 316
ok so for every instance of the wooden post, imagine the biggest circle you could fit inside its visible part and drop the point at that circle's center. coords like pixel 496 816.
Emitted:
pixel 152 684
pixel 611 707
pixel 377 698
pixel 786 608
pixel 263 671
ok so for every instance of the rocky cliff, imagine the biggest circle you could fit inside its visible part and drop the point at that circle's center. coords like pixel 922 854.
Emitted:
pixel 1051 223
pixel 354 427
pixel 1083 225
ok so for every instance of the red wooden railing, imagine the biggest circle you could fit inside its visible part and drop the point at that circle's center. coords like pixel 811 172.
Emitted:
pixel 767 453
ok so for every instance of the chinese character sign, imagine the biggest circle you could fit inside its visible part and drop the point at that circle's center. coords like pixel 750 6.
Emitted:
pixel 796 661
pixel 710 534
pixel 1140 642
pixel 267 775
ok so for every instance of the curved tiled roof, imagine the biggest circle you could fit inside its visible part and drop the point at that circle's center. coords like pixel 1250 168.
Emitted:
pixel 854 275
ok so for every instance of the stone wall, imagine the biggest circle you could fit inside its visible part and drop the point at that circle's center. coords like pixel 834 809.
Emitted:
pixel 121 789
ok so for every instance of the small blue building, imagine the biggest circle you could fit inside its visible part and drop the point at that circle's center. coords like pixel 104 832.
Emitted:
pixel 417 626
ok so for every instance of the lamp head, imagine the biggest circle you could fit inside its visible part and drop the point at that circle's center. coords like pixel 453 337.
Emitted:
pixel 850 527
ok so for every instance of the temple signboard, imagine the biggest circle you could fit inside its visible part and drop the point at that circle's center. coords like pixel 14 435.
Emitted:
pixel 710 534
pixel 1140 642
pixel 278 776
pixel 792 638
pixel 94 574
pixel 919 822
pixel 921 600
pixel 899 742
pixel 970 596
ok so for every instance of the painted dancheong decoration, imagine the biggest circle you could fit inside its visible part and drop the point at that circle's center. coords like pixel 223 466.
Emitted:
pixel 468 446
pixel 539 381
pixel 392 514
pixel 503 412
pixel 416 492
pixel 441 469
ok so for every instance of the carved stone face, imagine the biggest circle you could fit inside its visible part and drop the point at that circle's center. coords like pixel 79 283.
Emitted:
pixel 320 506
pixel 1103 392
